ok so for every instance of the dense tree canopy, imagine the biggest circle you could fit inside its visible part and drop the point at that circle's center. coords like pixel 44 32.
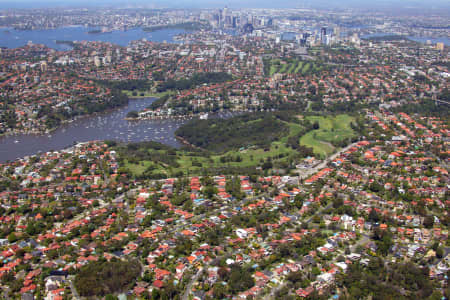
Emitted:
pixel 242 131
pixel 401 281
pixel 100 278
pixel 196 79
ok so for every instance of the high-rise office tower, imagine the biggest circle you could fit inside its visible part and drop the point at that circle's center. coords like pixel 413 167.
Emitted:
pixel 323 34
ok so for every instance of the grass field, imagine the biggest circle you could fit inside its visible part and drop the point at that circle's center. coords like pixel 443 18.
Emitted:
pixel 250 157
pixel 283 68
pixel 138 169
pixel 332 129
pixel 299 67
pixel 293 66
pixel 195 163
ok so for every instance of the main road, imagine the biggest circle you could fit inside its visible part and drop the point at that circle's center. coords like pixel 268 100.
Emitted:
pixel 324 163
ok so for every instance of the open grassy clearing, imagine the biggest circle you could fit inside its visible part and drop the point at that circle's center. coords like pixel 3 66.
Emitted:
pixel 138 169
pixel 306 68
pixel 293 66
pixel 283 68
pixel 195 163
pixel 332 129
pixel 249 158
pixel 299 67
pixel 273 69
pixel 319 147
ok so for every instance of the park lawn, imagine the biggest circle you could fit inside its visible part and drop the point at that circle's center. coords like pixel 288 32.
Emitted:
pixel 331 129
pixel 273 69
pixel 319 147
pixel 185 160
pixel 284 68
pixel 340 129
pixel 251 157
pixel 306 68
pixel 299 67
pixel 138 169
pixel 159 95
pixel 292 67
pixel 294 129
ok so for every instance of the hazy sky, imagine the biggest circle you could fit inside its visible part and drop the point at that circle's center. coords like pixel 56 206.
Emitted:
pixel 398 4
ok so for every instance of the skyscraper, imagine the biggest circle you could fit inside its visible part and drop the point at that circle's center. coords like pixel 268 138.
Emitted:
pixel 337 33
pixel 323 34
pixel 224 16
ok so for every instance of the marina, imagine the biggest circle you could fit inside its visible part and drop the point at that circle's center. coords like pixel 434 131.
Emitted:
pixel 110 125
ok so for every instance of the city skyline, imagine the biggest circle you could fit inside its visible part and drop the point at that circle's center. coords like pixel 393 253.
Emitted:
pixel 380 4
pixel 221 152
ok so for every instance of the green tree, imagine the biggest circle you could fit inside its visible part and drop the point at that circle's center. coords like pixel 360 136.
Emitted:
pixel 12 238
pixel 428 221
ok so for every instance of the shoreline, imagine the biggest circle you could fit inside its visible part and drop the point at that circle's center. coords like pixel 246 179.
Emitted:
pixel 146 96
pixel 188 116
pixel 186 143
pixel 174 117
pixel 50 130
pixel 65 122
pixel 149 95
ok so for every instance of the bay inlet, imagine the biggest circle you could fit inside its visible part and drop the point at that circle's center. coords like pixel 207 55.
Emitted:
pixel 110 125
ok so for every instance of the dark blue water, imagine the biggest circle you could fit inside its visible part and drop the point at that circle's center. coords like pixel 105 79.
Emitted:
pixel 12 38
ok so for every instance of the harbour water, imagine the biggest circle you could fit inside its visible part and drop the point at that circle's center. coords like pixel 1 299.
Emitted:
pixel 110 125
pixel 12 38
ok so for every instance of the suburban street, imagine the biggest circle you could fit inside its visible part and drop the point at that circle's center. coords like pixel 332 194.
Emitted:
pixel 189 285
pixel 323 164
